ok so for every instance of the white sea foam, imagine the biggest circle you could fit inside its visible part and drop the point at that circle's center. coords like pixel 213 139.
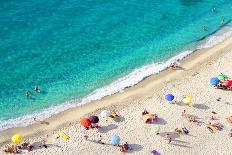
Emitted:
pixel 128 81
pixel 216 38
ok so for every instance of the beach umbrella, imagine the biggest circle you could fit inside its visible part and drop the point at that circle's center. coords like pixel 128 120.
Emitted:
pixel 169 97
pixel 222 77
pixel 85 122
pixel 17 138
pixel 154 152
pixel 214 81
pixel 187 100
pixel 94 119
pixel 105 113
pixel 228 83
pixel 115 140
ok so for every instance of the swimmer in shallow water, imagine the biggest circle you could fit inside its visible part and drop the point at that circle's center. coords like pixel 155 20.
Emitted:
pixel 222 21
pixel 27 93
pixel 214 9
pixel 37 89
pixel 204 28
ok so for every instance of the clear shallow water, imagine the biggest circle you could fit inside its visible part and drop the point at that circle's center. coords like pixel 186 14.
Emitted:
pixel 71 47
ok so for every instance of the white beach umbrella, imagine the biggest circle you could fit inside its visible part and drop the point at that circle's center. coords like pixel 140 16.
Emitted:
pixel 105 113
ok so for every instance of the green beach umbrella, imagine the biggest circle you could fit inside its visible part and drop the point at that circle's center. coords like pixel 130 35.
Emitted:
pixel 222 77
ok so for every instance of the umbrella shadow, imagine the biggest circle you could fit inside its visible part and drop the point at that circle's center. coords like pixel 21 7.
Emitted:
pixel 200 106
pixel 173 135
pixel 181 145
pixel 161 121
pixel 54 145
pixel 179 68
pixel 135 148
pixel 119 119
pixel 179 141
pixel 39 145
pixel 105 129
pixel 180 103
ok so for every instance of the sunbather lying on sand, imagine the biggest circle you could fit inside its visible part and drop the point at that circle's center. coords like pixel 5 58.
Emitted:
pixel 178 131
pixel 124 147
pixel 216 126
pixel 149 118
pixel 114 114
pixel 229 119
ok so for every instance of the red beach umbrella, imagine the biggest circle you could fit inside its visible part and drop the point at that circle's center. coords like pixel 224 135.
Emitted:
pixel 85 122
pixel 228 83
pixel 94 119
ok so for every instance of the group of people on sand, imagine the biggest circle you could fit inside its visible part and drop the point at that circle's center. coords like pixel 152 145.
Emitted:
pixel 212 126
pixel 36 89
pixel 23 148
pixel 222 85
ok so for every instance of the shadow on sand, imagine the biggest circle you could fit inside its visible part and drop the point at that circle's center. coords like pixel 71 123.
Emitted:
pixel 105 129
pixel 201 106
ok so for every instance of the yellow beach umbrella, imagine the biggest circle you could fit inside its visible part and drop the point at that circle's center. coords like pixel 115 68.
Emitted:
pixel 187 100
pixel 17 138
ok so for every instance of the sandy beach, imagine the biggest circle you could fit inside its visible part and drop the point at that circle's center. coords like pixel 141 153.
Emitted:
pixel 192 80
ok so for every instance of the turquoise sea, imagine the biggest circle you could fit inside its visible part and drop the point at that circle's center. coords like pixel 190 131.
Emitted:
pixel 78 48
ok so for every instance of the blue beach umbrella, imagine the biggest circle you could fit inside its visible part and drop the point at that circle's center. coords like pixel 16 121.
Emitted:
pixel 169 97
pixel 214 81
pixel 115 140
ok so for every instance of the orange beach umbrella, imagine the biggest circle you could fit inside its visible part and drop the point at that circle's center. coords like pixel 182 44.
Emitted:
pixel 85 122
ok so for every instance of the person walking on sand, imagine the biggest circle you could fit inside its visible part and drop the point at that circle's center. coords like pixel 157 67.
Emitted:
pixel 27 93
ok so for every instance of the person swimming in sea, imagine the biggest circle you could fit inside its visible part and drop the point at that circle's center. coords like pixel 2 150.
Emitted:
pixel 27 93
pixel 204 28
pixel 37 89
pixel 222 21
pixel 213 9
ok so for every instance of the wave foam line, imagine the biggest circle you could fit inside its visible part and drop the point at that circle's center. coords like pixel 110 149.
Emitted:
pixel 128 81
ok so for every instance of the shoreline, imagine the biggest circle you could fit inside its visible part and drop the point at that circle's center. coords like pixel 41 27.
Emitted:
pixel 67 117
pixel 210 40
